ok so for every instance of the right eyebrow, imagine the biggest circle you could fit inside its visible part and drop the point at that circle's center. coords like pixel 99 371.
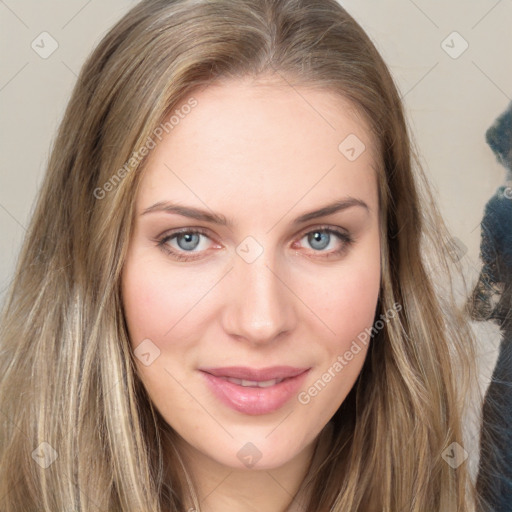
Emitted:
pixel 187 211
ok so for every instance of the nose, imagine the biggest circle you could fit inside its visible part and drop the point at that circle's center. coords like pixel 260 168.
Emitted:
pixel 259 305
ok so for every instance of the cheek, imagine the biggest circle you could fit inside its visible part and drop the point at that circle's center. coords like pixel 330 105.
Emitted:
pixel 353 313
pixel 346 300
pixel 357 300
pixel 151 309
pixel 348 308
pixel 347 304
pixel 151 304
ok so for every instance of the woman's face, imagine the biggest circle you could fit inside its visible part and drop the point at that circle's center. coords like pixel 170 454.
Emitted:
pixel 240 268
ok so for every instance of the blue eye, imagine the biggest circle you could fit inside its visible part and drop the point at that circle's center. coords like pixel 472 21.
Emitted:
pixel 320 239
pixel 186 242
pixel 191 240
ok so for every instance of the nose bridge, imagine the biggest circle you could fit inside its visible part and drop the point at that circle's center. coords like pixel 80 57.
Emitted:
pixel 259 305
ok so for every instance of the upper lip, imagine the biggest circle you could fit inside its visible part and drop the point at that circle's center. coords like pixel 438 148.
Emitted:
pixel 255 374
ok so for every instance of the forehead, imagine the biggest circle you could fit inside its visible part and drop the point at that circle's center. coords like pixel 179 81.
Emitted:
pixel 268 141
pixel 246 105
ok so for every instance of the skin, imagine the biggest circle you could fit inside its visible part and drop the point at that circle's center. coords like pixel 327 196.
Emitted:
pixel 260 153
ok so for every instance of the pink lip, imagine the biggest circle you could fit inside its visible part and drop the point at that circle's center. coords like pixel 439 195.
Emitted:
pixel 255 400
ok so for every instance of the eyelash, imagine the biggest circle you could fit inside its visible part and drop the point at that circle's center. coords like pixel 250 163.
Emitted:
pixel 161 242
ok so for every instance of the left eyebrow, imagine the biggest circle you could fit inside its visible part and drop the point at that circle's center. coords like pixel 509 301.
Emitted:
pixel 329 209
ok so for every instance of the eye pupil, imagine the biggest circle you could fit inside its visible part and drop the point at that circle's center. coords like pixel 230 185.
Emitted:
pixel 191 241
pixel 315 239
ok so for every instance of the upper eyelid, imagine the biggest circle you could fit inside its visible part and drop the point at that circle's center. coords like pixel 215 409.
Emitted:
pixel 323 227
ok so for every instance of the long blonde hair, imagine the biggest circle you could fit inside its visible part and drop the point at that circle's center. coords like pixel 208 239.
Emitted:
pixel 67 373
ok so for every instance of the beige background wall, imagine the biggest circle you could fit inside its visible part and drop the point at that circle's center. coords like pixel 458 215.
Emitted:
pixel 452 95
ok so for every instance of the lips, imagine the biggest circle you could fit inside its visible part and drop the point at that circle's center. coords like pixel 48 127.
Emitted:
pixel 254 391
pixel 255 375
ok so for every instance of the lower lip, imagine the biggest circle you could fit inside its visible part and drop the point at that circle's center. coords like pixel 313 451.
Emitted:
pixel 252 400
